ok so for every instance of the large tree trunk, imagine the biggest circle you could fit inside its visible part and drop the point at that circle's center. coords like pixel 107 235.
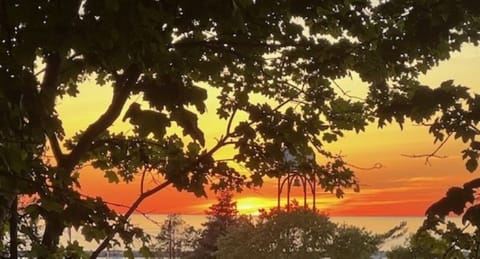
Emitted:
pixel 13 223
pixel 51 236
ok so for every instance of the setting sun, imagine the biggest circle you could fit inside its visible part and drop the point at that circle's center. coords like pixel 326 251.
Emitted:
pixel 252 205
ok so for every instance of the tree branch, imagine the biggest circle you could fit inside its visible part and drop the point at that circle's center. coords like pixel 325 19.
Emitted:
pixel 345 92
pixel 142 181
pixel 374 167
pixel 55 145
pixel 229 125
pixel 48 86
pixel 433 154
pixel 120 205
pixel 47 97
pixel 121 93
pixel 223 45
pixel 130 211
pixel 221 143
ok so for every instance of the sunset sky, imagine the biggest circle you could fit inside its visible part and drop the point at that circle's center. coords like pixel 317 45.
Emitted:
pixel 403 186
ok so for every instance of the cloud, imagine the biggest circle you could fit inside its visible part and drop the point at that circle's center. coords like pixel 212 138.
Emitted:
pixel 420 179
pixel 384 202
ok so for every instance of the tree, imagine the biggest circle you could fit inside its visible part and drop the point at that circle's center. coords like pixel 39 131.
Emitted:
pixel 176 238
pixel 442 238
pixel 424 245
pixel 299 233
pixel 273 63
pixel 354 242
pixel 221 216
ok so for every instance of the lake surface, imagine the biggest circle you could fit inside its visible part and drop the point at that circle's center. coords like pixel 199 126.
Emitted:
pixel 373 224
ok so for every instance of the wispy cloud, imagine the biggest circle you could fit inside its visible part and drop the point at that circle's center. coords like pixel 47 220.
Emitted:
pixel 419 179
pixel 384 202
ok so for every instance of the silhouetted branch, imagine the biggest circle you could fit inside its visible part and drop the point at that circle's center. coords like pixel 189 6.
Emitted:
pixel 433 154
pixel 424 124
pixel 120 205
pixel 120 96
pixel 230 120
pixel 142 181
pixel 374 167
pixel 130 211
pixel 345 92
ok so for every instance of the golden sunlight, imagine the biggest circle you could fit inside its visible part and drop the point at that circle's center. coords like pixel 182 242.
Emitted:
pixel 251 205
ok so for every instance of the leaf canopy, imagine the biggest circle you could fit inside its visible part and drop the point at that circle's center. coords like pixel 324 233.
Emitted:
pixel 273 63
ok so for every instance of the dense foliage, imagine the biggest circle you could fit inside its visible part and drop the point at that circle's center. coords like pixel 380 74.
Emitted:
pixel 425 245
pixel 299 233
pixel 221 216
pixel 176 238
pixel 439 237
pixel 274 64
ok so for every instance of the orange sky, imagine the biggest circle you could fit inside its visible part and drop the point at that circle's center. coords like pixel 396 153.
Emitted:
pixel 403 186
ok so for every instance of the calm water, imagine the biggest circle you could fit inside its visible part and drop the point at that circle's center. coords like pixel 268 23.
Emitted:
pixel 374 224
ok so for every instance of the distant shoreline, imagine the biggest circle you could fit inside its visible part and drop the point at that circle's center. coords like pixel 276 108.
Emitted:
pixel 376 224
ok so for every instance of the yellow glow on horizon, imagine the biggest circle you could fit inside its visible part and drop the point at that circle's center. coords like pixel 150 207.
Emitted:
pixel 252 205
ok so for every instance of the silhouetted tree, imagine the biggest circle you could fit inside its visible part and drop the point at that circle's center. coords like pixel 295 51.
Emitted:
pixel 299 233
pixel 272 65
pixel 221 216
pixel 424 245
pixel 354 242
pixel 439 237
pixel 176 238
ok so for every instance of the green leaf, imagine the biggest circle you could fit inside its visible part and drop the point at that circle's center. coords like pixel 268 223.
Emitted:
pixel 471 165
pixel 329 137
pixel 111 176
pixel 475 145
pixel 147 121
pixel 188 121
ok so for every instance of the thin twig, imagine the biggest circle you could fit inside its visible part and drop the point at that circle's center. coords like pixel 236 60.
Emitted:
pixel 431 155
pixel 423 124
pixel 153 179
pixel 229 125
pixel 374 167
pixel 285 82
pixel 345 92
pixel 120 205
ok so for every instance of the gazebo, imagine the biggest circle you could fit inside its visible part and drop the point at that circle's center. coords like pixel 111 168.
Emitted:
pixel 299 173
